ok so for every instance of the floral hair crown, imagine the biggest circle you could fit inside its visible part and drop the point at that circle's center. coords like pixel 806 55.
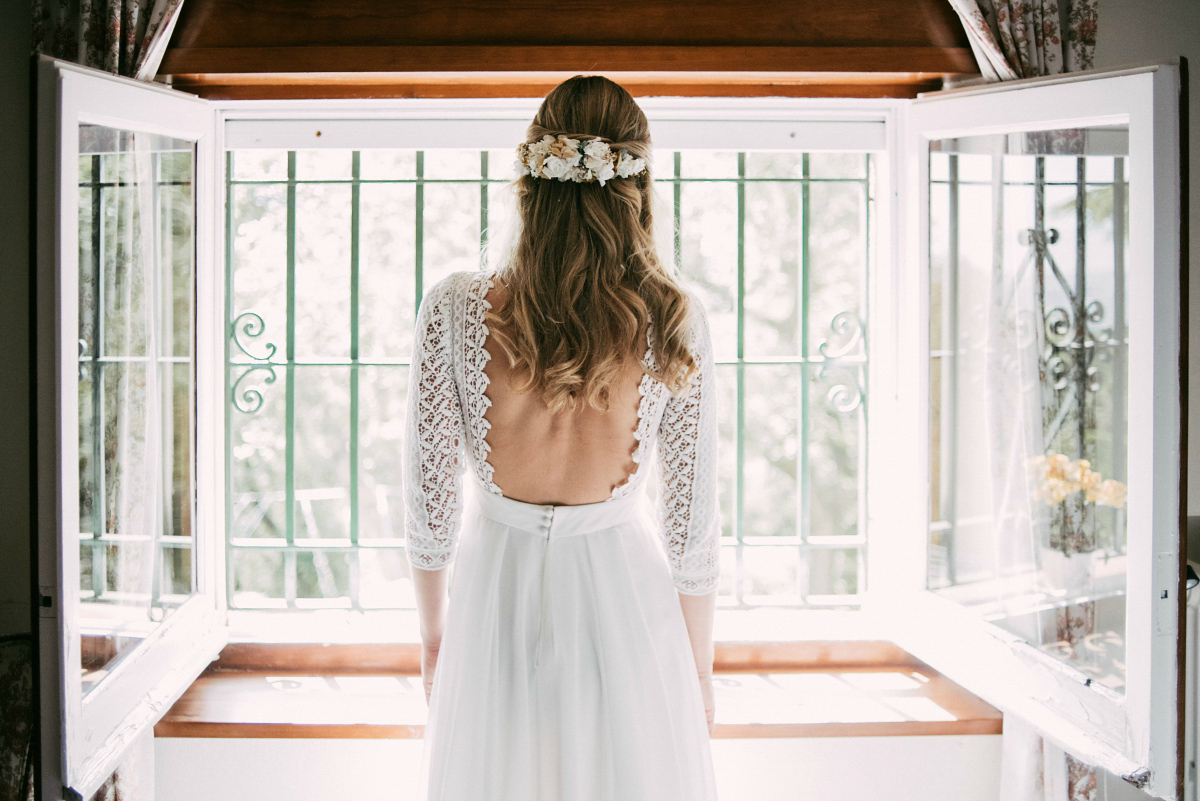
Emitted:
pixel 570 159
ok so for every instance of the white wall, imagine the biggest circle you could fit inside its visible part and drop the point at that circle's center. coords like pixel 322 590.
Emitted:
pixel 1134 31
pixel 15 505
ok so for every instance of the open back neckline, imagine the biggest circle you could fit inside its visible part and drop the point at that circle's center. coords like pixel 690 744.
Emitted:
pixel 650 392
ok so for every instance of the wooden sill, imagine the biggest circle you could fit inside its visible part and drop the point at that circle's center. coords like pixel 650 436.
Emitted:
pixel 810 689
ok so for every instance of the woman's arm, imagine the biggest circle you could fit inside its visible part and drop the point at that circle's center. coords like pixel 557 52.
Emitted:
pixel 430 586
pixel 699 611
pixel 433 462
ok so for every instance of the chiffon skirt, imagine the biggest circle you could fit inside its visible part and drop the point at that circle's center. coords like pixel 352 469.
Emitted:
pixel 565 672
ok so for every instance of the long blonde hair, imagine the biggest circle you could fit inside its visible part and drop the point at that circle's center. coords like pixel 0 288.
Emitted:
pixel 584 278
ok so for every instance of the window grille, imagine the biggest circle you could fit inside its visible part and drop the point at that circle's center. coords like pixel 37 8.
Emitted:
pixel 776 245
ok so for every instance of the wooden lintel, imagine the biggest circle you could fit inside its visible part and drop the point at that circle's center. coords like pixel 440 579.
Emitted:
pixel 569 59
pixel 259 86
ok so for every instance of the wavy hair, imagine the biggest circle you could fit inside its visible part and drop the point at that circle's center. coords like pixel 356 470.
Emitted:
pixel 584 278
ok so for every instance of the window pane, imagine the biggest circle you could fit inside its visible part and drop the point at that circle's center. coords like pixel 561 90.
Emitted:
pixel 386 270
pixel 790 421
pixel 322 452
pixel 136 395
pixel 257 440
pixel 323 165
pixel 770 471
pixel 835 432
pixel 383 396
pixel 771 574
pixel 773 243
pixel 442 165
pixel 837 259
pixel 260 165
pixel 376 165
pixel 709 251
pixel 1029 370
pixel 451 230
pixel 259 231
pixel 322 271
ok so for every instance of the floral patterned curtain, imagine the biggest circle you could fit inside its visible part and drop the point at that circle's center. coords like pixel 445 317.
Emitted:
pixel 1014 39
pixel 124 37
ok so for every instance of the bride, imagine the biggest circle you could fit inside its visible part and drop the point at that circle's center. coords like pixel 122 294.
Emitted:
pixel 568 659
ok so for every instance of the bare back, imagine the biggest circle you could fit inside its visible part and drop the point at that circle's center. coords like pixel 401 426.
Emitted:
pixel 558 458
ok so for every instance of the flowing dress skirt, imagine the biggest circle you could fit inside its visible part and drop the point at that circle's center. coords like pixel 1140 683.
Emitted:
pixel 565 672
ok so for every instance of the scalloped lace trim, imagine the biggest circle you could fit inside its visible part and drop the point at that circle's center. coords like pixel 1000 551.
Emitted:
pixel 475 380
pixel 653 394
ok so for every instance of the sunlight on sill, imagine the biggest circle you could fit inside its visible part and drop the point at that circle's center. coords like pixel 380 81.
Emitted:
pixel 400 626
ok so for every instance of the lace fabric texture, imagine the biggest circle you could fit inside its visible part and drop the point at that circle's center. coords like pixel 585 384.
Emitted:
pixel 446 428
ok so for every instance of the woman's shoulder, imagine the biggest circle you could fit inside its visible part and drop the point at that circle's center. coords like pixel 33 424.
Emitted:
pixel 457 285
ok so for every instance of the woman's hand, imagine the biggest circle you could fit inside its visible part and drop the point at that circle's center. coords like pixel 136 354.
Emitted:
pixel 429 656
pixel 710 704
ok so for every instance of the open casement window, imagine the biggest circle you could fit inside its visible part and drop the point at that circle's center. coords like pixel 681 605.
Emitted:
pixel 1013 493
pixel 1036 555
pixel 128 401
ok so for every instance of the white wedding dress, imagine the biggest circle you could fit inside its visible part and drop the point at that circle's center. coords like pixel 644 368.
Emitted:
pixel 565 669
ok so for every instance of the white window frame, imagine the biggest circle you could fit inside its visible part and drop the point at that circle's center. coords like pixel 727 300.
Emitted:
pixel 1138 742
pixel 92 732
pixel 1133 734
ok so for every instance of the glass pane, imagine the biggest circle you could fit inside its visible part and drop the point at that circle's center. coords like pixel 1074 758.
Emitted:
pixel 709 253
pixel 836 433
pixel 837 268
pixel 384 579
pixel 502 223
pixel 257 578
pixel 136 394
pixel 443 165
pixel 259 232
pixel 837 165
pixel 727 453
pixel 382 165
pixel 790 349
pixel 1028 364
pixel 323 165
pixel 257 459
pixel 770 471
pixel 773 243
pixel 322 452
pixel 322 575
pixel 771 574
pixel 260 165
pixel 383 395
pixel 323 271
pixel 450 223
pixel 386 270
pixel 833 571
pixel 708 164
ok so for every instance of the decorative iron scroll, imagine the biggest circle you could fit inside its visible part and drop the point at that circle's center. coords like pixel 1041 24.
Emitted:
pixel 1075 346
pixel 250 324
pixel 846 395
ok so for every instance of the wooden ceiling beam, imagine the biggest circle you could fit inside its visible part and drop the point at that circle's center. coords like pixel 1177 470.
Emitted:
pixel 566 59
pixel 523 48
pixel 298 85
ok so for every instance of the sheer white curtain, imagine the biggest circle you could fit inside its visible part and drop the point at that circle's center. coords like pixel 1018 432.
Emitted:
pixel 1020 39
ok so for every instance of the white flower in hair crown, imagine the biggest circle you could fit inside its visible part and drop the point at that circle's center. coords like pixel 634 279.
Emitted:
pixel 570 159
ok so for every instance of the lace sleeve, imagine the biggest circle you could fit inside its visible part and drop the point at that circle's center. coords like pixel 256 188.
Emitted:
pixel 687 442
pixel 433 457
